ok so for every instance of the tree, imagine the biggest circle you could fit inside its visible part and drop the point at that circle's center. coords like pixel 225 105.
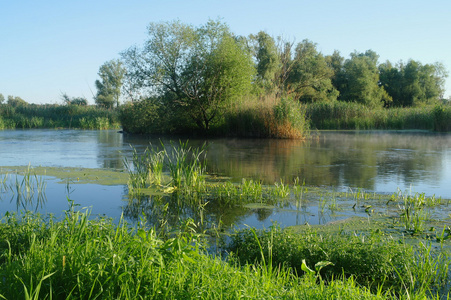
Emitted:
pixel 109 87
pixel 16 101
pixel 2 98
pixel 360 80
pixel 413 83
pixel 310 77
pixel 267 58
pixel 335 62
pixel 194 71
pixel 81 101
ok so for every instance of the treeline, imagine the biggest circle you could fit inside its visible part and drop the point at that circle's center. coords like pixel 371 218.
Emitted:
pixel 16 113
pixel 205 79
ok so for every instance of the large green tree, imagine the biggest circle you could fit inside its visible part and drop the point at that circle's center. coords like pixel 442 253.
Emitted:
pixel 300 71
pixel 310 77
pixel 2 98
pixel 360 80
pixel 109 86
pixel 194 71
pixel 267 60
pixel 413 83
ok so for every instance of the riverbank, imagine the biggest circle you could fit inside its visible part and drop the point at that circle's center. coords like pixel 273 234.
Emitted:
pixel 267 117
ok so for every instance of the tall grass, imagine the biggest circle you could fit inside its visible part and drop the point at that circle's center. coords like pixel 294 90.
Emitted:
pixel 267 117
pixel 57 116
pixel 79 258
pixel 347 115
pixel 374 260
pixel 185 167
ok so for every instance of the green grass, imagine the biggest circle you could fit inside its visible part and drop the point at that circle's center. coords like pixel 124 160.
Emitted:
pixel 83 258
pixel 346 115
pixel 372 259
pixel 57 116
pixel 79 258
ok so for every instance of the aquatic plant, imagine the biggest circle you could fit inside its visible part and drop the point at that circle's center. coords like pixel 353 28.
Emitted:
pixel 281 190
pixel 349 115
pixel 25 188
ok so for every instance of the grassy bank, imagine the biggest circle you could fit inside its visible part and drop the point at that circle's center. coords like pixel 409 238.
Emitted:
pixel 347 115
pixel 57 116
pixel 78 258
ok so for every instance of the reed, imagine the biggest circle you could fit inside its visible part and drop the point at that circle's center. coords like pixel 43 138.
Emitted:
pixel 25 188
pixel 269 117
pixel 347 115
pixel 185 167
pixel 57 116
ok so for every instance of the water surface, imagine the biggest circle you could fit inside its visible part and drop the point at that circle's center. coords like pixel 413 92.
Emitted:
pixel 379 161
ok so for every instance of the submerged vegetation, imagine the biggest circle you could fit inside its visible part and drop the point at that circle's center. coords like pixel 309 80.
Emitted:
pixel 180 245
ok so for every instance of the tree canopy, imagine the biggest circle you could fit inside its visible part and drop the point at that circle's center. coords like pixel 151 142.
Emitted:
pixel 16 101
pixel 413 83
pixel 194 71
pixel 111 74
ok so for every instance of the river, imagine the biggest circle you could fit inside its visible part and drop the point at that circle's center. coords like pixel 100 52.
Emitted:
pixel 377 161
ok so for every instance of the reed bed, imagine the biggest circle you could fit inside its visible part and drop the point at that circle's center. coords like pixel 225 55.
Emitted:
pixel 266 117
pixel 57 116
pixel 347 115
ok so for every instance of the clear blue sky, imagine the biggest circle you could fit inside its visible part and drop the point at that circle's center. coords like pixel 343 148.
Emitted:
pixel 51 47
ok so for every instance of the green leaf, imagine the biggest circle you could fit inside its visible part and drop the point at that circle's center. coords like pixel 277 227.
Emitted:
pixel 305 268
pixel 322 264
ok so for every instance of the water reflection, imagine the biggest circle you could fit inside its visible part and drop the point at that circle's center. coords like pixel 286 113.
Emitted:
pixel 379 161
pixel 366 160
pixel 168 210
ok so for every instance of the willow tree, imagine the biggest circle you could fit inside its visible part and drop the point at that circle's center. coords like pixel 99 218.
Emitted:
pixel 412 83
pixel 310 76
pixel 360 80
pixel 195 72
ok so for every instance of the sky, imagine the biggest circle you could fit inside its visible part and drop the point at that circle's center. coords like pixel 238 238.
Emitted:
pixel 48 48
